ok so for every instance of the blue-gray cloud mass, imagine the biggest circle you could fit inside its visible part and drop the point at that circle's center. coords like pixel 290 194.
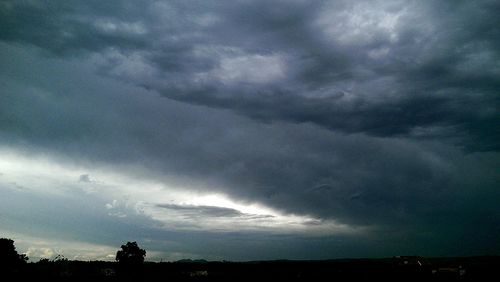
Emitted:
pixel 374 121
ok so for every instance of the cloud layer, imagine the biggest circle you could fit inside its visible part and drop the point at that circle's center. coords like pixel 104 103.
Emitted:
pixel 334 116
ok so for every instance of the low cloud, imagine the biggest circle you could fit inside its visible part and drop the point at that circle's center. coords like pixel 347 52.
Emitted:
pixel 202 211
pixel 85 178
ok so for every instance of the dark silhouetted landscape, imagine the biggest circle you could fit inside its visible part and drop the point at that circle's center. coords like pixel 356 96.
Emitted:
pixel 130 266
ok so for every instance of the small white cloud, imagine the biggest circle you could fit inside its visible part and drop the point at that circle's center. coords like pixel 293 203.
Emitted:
pixel 112 205
pixel 116 210
pixel 40 252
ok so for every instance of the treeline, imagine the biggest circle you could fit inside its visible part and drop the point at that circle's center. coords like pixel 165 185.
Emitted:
pixel 476 269
pixel 130 266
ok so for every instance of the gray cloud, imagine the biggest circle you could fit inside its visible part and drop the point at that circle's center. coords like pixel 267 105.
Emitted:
pixel 358 173
pixel 430 68
pixel 298 106
pixel 84 178
pixel 209 211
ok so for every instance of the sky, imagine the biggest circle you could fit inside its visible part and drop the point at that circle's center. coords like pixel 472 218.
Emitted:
pixel 250 130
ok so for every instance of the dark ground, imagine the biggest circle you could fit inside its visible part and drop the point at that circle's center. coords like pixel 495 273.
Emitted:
pixel 486 268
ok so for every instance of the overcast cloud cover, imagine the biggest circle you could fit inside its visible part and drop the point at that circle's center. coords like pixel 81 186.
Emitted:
pixel 250 129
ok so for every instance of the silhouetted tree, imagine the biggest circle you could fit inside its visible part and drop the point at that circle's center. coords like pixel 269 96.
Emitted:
pixel 130 261
pixel 130 254
pixel 10 260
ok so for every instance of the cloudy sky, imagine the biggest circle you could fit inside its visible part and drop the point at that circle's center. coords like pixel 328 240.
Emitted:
pixel 245 130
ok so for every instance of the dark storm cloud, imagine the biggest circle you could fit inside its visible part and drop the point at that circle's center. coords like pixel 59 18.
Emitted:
pixel 438 77
pixel 295 168
pixel 366 128
pixel 278 164
pixel 68 27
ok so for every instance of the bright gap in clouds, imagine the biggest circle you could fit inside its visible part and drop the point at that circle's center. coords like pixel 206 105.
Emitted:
pixel 170 207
